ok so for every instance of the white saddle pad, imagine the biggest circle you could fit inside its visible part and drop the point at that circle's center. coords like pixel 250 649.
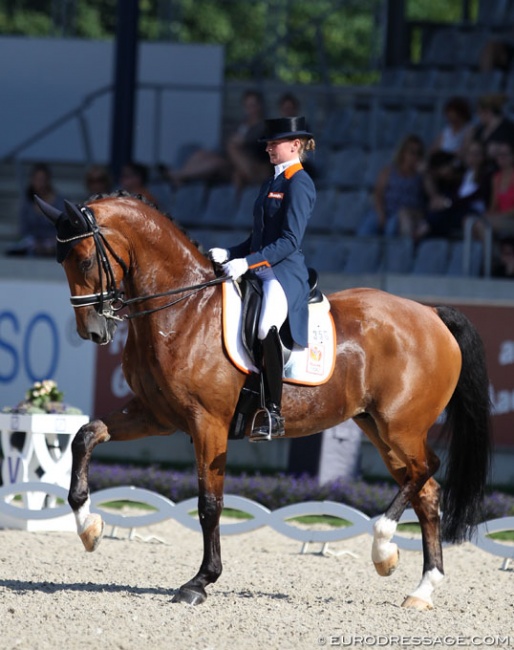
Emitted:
pixel 310 366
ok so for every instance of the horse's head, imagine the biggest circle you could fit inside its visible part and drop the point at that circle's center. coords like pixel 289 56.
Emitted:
pixel 95 261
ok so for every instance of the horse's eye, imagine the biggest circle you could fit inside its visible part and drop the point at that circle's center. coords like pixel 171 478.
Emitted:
pixel 86 265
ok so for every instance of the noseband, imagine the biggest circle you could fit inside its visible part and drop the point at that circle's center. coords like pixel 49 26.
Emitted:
pixel 110 301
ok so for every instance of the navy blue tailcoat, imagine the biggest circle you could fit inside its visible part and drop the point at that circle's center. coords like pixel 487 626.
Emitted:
pixel 280 215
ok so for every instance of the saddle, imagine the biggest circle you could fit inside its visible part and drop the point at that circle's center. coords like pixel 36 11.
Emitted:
pixel 251 294
pixel 250 396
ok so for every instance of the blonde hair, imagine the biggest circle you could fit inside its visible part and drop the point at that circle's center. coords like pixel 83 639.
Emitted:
pixel 306 144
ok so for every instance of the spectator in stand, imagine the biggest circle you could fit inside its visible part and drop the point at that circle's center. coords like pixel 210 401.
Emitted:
pixel 456 201
pixel 98 180
pixel 492 127
pixel 500 215
pixel 497 53
pixel 36 231
pixel 246 149
pixel 398 193
pixel 457 115
pixel 289 105
pixel 243 161
pixel 505 266
pixel 134 179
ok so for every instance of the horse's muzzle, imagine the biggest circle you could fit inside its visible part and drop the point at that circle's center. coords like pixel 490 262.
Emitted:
pixel 97 328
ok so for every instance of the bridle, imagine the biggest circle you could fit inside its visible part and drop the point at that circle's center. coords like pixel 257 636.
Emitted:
pixel 110 301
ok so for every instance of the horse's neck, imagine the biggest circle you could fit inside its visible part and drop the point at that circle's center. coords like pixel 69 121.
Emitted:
pixel 165 259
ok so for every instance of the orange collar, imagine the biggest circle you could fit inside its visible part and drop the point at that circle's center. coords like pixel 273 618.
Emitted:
pixel 291 170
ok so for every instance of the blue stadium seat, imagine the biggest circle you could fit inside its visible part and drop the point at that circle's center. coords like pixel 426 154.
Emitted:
pixel 324 253
pixel 324 210
pixel 163 194
pixel 346 168
pixel 221 205
pixel 211 237
pixel 188 203
pixel 398 256
pixel 351 207
pixel 456 264
pixel 431 257
pixel 364 255
pixel 244 214
pixel 377 160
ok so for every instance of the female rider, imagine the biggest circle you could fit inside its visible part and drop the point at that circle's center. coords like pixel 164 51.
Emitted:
pixel 273 252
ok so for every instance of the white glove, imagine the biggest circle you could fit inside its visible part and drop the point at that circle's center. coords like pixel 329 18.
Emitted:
pixel 236 268
pixel 218 255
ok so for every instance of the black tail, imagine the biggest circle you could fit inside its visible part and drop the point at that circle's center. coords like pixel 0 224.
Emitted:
pixel 467 428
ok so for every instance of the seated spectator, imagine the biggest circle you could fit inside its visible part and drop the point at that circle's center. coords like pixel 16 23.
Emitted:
pixel 457 115
pixel 243 160
pixel 497 53
pixel 500 214
pixel 134 179
pixel 98 180
pixel 36 231
pixel 456 201
pixel 398 192
pixel 245 149
pixel 505 263
pixel 492 127
pixel 289 105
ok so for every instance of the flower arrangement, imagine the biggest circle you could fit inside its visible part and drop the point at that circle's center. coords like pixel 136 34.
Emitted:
pixel 43 397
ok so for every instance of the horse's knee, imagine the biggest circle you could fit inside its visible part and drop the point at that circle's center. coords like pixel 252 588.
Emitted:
pixel 87 437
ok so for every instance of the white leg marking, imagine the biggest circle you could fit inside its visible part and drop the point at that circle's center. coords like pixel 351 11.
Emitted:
pixel 81 516
pixel 382 548
pixel 430 580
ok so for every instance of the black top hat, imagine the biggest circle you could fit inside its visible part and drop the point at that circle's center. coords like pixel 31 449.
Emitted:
pixel 283 128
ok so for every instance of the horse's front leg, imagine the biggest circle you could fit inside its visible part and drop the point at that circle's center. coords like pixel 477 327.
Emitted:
pixel 211 452
pixel 130 423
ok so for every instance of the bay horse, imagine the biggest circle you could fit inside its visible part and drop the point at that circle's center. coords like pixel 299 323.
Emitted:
pixel 399 365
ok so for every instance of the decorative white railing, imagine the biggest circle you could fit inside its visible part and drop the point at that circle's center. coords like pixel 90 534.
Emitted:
pixel 279 520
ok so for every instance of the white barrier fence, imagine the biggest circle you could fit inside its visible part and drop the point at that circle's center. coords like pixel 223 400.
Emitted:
pixel 184 513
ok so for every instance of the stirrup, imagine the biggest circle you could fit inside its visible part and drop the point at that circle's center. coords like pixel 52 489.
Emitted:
pixel 266 431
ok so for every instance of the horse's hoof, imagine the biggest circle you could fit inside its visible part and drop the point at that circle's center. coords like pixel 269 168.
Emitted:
pixel 190 596
pixel 413 602
pixel 387 567
pixel 92 533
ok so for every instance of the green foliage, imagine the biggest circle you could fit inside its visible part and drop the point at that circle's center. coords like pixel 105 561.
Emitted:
pixel 438 10
pixel 294 41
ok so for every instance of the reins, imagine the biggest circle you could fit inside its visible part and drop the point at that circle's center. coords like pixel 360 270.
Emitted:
pixel 192 290
pixel 112 295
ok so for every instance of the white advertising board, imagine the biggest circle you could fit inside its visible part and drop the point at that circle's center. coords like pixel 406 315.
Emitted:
pixel 38 340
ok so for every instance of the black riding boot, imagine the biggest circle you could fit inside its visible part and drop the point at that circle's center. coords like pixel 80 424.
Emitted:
pixel 273 366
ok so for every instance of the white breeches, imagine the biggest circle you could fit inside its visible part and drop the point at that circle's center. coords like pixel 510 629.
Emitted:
pixel 274 303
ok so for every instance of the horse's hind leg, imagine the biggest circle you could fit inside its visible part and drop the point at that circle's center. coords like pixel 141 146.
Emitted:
pixel 411 467
pixel 130 423
pixel 426 506
pixel 422 492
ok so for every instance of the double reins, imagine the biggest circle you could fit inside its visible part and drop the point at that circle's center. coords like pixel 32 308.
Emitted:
pixel 112 295
pixel 194 288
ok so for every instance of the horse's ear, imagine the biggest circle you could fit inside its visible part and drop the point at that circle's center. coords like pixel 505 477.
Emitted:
pixel 75 216
pixel 48 210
